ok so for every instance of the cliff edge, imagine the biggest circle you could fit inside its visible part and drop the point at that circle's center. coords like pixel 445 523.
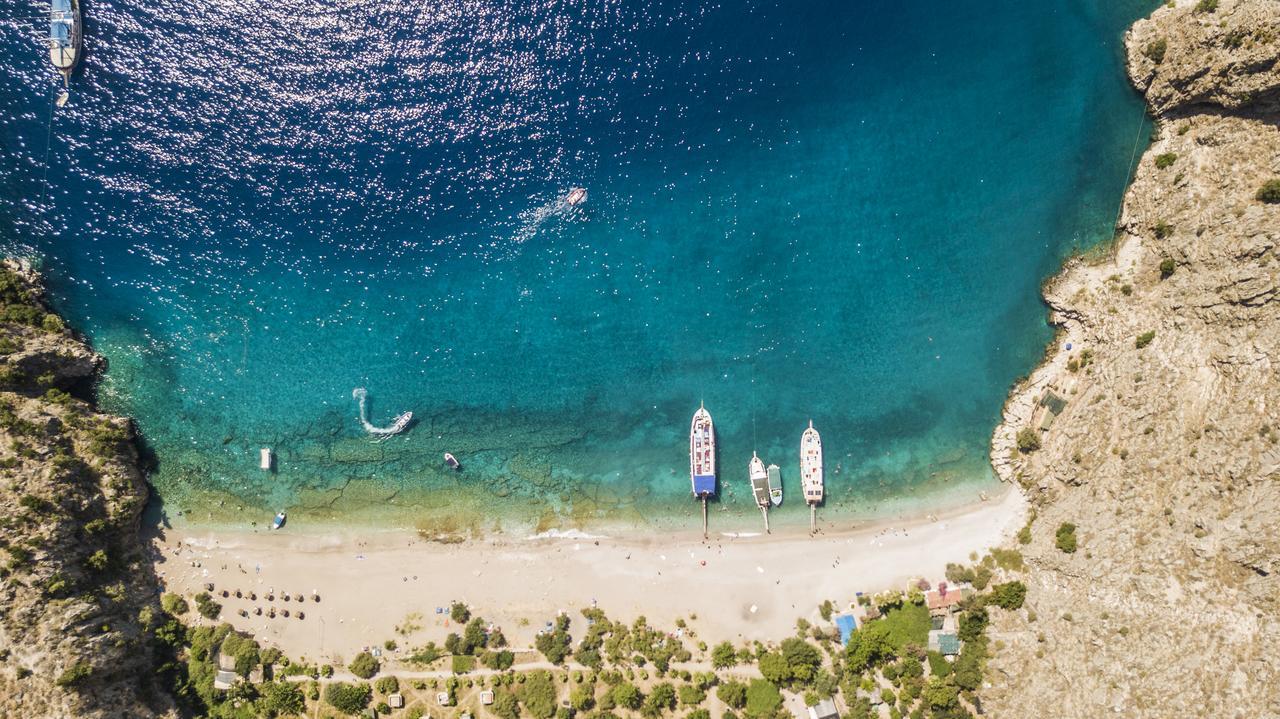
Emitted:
pixel 77 594
pixel 1149 440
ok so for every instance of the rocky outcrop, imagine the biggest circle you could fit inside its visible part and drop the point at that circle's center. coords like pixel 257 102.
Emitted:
pixel 1166 455
pixel 77 593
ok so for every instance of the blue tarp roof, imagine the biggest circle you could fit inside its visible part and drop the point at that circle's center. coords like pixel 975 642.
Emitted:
pixel 846 624
pixel 704 484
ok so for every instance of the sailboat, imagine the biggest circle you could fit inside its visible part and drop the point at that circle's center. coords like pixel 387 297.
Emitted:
pixel 64 36
pixel 811 472
pixel 759 486
pixel 702 459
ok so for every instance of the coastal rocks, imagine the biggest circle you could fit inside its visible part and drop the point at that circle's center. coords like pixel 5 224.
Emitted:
pixel 1165 450
pixel 76 589
pixel 1187 58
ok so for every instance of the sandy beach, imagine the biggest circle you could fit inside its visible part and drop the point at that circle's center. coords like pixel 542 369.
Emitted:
pixel 739 588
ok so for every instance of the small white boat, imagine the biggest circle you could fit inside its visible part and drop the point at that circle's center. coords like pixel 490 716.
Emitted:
pixel 397 425
pixel 759 481
pixel 576 196
pixel 775 485
pixel 452 461
pixel 278 522
pixel 64 36
pixel 265 459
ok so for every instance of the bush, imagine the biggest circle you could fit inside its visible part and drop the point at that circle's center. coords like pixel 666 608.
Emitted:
pixel 1028 440
pixel 348 698
pixel 1167 266
pixel 1009 595
pixel 498 660
pixel 763 700
pixel 1144 339
pixel 1166 160
pixel 208 608
pixel 1155 50
pixel 74 674
pixel 691 695
pixel 364 665
pixel 387 685
pixel 459 613
pixel 583 697
pixel 661 700
pixel 723 655
pixel 505 705
pixel 1162 230
pixel 173 604
pixel 538 695
pixel 1065 537
pixel 1207 6
pixel 732 693
pixel 463 663
pixel 626 695
pixel 280 698
pixel 972 624
pixel 1269 192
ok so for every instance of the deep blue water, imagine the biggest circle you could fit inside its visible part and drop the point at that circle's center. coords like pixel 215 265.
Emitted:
pixel 830 210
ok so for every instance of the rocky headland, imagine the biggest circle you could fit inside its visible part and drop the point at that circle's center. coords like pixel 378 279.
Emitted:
pixel 78 598
pixel 1149 440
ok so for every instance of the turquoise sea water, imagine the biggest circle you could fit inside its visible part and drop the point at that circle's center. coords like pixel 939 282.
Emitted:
pixel 837 211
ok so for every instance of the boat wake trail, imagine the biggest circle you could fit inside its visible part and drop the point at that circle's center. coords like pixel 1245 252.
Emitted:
pixel 397 425
pixel 532 219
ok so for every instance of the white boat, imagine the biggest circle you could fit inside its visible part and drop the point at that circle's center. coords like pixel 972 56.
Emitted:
pixel 759 481
pixel 702 454
pixel 397 425
pixel 278 522
pixel 811 465
pixel 576 196
pixel 452 461
pixel 775 485
pixel 265 458
pixel 64 36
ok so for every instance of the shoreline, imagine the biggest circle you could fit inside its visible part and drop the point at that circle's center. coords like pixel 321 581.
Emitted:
pixel 370 583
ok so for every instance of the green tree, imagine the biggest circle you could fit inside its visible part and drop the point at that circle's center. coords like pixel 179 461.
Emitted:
pixel 661 699
pixel 280 699
pixel 348 698
pixel 583 697
pixel 941 694
pixel 691 695
pixel 972 624
pixel 627 696
pixel 763 699
pixel 802 658
pixel 1028 440
pixel 1009 595
pixel 364 665
pixel 474 636
pixel 505 705
pixel 733 693
pixel 1166 160
pixel 773 666
pixel 723 655
pixel 538 695
pixel 868 647
pixel 173 604
pixel 387 685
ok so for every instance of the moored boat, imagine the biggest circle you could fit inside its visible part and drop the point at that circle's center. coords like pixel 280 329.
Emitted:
pixel 278 522
pixel 266 459
pixel 775 485
pixel 451 461
pixel 759 481
pixel 702 459
pixel 811 472
pixel 64 36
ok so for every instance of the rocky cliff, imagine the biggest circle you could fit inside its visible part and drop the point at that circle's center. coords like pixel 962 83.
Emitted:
pixel 77 594
pixel 1163 601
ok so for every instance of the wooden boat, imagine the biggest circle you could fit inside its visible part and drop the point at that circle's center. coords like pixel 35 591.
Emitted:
pixel 759 486
pixel 775 485
pixel 64 36
pixel 278 522
pixel 759 481
pixel 811 471
pixel 451 461
pixel 702 459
